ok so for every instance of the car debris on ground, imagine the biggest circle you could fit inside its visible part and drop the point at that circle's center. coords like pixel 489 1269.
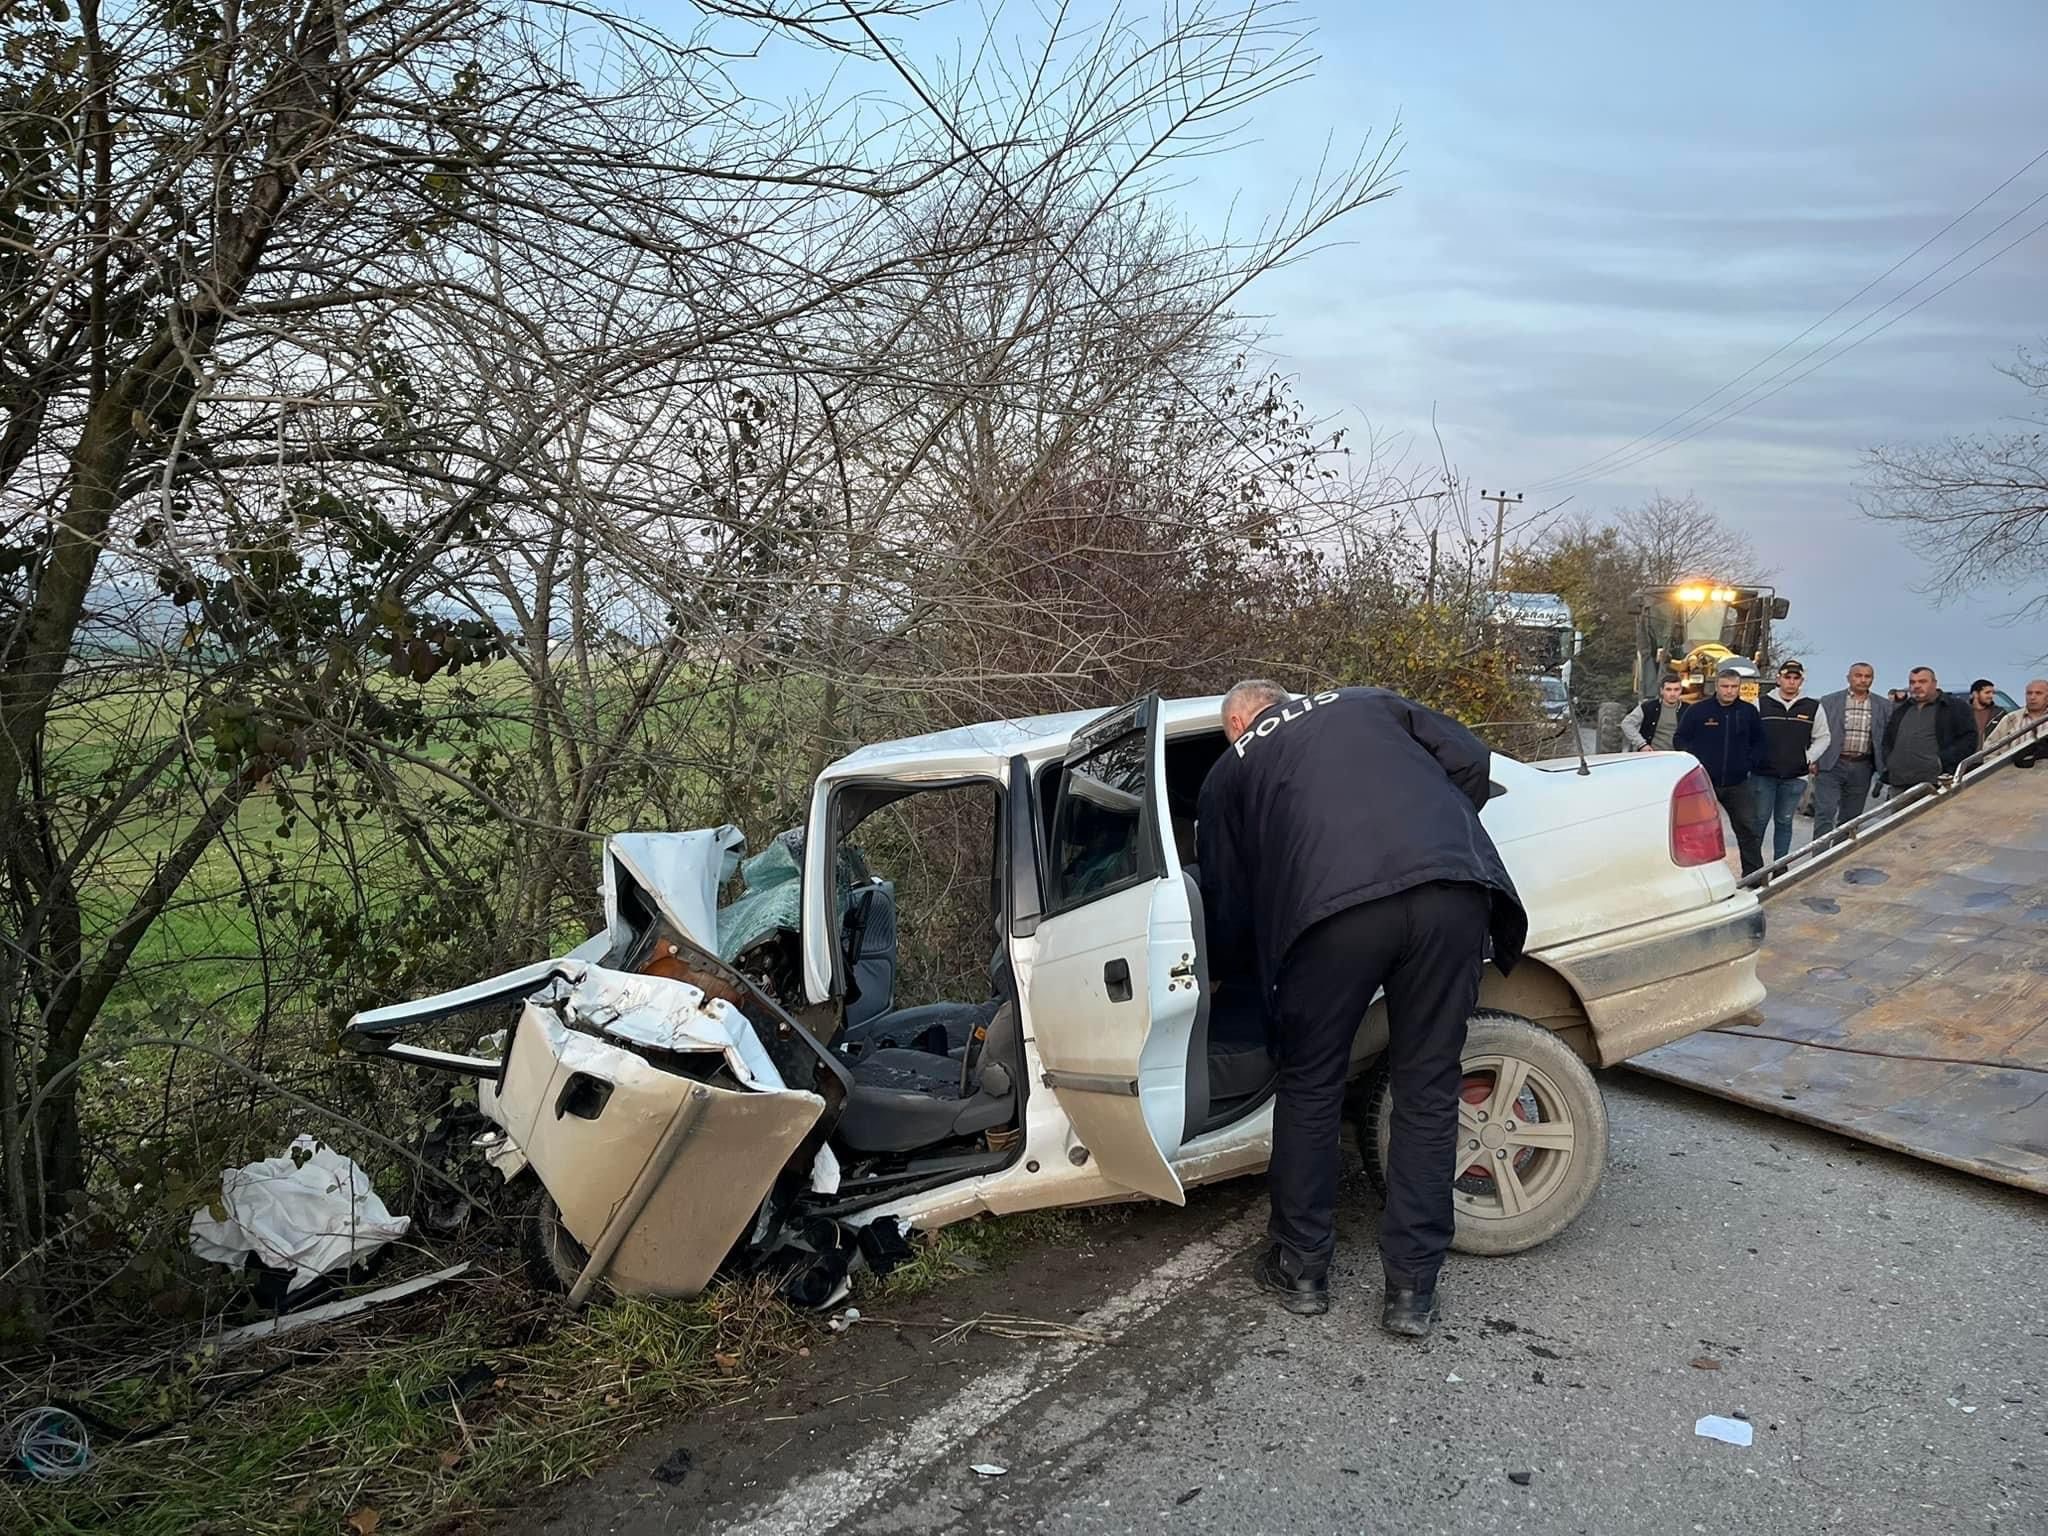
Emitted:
pixel 334 1311
pixel 1728 1431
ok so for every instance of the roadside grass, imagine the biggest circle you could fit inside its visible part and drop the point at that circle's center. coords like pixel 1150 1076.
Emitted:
pixel 338 1428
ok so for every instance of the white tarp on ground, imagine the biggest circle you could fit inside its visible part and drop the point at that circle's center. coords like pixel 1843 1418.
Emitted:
pixel 310 1211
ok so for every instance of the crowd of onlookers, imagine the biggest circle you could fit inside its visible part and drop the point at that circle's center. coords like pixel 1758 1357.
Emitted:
pixel 1847 747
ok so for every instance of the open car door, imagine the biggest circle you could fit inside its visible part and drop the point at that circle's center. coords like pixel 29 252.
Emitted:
pixel 1112 995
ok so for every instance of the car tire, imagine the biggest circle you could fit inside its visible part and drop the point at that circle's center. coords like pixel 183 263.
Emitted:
pixel 552 1257
pixel 1551 1182
pixel 1608 737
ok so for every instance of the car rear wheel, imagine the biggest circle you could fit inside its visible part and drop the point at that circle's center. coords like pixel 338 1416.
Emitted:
pixel 1532 1135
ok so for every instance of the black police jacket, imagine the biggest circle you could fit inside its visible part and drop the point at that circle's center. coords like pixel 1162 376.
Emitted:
pixel 1335 800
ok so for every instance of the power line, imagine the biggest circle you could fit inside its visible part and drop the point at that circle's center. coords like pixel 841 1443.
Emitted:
pixel 1750 396
pixel 1742 406
pixel 1602 464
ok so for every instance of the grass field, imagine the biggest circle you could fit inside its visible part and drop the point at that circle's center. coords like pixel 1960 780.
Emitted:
pixel 307 1435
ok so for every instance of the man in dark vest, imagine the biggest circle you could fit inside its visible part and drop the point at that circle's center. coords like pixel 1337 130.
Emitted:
pixel 1652 725
pixel 1341 851
pixel 1795 738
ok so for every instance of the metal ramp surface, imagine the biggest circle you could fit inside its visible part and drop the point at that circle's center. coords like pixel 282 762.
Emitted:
pixel 1907 975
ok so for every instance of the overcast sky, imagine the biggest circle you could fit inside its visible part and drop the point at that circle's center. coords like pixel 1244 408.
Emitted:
pixel 1606 213
pixel 1608 210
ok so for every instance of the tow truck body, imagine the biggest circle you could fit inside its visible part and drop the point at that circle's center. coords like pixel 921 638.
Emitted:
pixel 1906 976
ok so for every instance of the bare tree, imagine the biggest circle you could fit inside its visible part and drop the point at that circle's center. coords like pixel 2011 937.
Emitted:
pixel 1976 506
pixel 437 431
pixel 1675 537
pixel 243 448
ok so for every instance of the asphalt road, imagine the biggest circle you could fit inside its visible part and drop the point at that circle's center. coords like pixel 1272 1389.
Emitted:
pixel 1883 1325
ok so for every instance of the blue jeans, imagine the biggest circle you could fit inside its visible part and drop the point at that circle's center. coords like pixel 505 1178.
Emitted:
pixel 1776 800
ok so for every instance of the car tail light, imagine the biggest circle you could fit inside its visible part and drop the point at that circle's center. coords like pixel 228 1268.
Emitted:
pixel 1696 822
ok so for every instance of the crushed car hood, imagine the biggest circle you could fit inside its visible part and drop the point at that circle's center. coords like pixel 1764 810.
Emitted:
pixel 679 872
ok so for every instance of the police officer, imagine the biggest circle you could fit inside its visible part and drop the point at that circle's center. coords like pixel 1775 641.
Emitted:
pixel 1341 851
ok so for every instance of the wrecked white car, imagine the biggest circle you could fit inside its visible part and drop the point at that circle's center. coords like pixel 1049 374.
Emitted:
pixel 702 1086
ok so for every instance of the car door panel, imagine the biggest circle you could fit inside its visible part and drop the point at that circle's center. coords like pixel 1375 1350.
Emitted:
pixel 1112 995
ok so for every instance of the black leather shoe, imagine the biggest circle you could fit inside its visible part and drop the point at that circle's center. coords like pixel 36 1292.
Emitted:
pixel 1409 1312
pixel 1303 1295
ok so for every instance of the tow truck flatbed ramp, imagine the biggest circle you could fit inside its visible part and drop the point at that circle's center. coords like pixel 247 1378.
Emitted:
pixel 1907 974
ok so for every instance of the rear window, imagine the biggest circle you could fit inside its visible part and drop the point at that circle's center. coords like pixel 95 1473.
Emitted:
pixel 1097 841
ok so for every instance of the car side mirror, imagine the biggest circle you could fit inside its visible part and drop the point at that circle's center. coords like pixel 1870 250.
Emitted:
pixel 1781 607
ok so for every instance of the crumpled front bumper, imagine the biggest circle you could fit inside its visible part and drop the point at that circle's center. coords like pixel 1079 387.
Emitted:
pixel 656 1174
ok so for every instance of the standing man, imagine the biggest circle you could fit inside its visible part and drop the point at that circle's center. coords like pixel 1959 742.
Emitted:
pixel 1984 710
pixel 1653 724
pixel 1726 734
pixel 1795 738
pixel 2029 718
pixel 1928 735
pixel 1341 851
pixel 1856 719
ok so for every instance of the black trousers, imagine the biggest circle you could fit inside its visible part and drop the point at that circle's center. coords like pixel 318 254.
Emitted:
pixel 1425 946
pixel 1746 817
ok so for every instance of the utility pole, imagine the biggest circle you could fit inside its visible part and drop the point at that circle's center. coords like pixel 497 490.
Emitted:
pixel 1500 500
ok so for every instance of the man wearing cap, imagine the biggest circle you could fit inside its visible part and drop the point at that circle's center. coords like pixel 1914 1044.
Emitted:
pixel 1795 738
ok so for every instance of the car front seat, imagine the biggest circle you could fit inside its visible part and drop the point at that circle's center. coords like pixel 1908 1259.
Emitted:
pixel 903 1100
pixel 1230 1061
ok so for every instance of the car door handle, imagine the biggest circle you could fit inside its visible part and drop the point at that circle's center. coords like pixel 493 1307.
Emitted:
pixel 1116 978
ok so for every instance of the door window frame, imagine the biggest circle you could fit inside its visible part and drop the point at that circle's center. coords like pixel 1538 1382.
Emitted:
pixel 1137 720
pixel 836 832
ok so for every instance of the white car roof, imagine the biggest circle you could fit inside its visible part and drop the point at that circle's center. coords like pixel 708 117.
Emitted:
pixel 983 750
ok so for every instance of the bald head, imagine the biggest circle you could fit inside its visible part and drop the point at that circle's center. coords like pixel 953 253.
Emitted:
pixel 1247 701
